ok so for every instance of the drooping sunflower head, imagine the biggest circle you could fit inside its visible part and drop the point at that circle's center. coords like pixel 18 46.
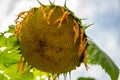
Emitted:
pixel 51 39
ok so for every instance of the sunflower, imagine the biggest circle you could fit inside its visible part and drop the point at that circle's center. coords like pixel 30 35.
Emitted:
pixel 52 39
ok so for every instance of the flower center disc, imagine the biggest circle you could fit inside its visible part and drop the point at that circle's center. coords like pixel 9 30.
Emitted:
pixel 47 39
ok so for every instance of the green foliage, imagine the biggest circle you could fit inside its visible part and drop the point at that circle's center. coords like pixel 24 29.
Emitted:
pixel 3 77
pixel 97 56
pixel 82 78
pixel 10 55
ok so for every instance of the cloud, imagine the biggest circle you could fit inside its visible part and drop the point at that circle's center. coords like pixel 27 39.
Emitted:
pixel 94 71
pixel 85 9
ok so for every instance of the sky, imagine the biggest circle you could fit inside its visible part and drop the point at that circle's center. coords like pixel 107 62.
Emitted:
pixel 105 14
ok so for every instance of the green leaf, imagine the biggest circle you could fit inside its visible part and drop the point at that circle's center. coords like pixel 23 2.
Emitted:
pixel 97 56
pixel 10 56
pixel 11 29
pixel 12 41
pixel 28 76
pixel 13 75
pixel 8 39
pixel 82 78
pixel 2 40
pixel 3 77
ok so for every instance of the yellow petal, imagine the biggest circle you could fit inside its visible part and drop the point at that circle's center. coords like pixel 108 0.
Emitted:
pixel 76 29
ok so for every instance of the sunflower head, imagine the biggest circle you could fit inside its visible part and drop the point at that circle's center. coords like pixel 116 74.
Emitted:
pixel 51 39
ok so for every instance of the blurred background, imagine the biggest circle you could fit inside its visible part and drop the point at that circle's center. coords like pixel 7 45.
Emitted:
pixel 105 14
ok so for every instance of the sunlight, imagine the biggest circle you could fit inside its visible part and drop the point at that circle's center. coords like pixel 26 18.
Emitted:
pixel 2 48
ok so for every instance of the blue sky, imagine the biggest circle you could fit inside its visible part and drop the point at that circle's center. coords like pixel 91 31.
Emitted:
pixel 105 14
